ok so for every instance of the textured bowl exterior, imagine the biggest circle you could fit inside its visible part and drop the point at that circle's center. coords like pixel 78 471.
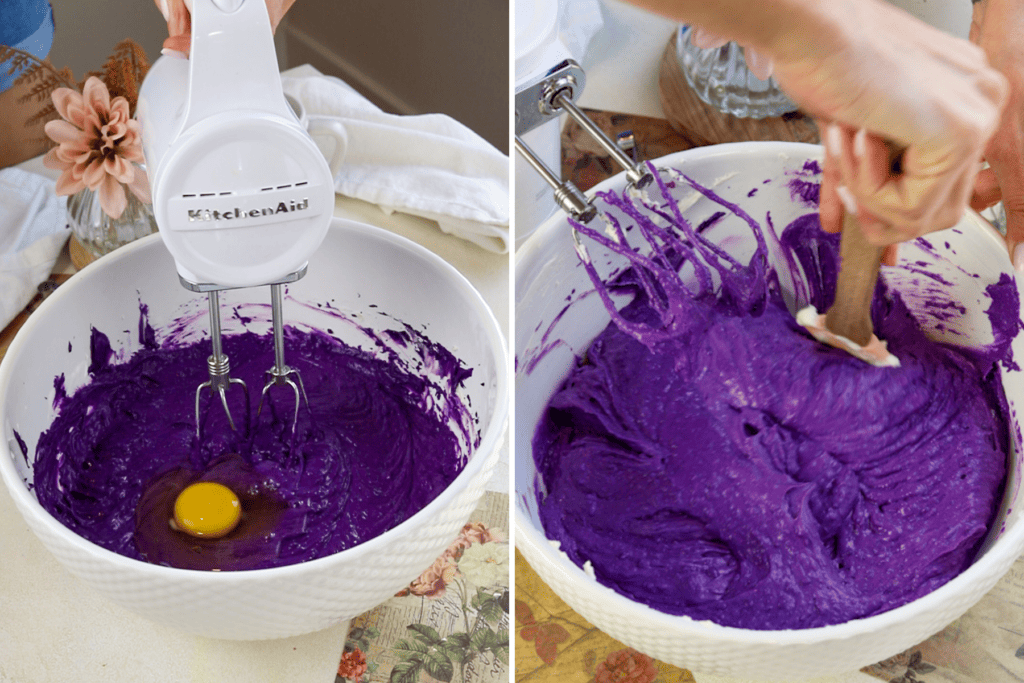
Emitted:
pixel 262 604
pixel 356 265
pixel 711 649
pixel 549 336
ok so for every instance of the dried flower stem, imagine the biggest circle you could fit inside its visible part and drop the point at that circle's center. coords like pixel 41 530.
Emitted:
pixel 122 73
pixel 43 76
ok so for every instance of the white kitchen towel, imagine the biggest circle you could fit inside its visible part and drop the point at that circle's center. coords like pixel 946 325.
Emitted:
pixel 428 165
pixel 33 229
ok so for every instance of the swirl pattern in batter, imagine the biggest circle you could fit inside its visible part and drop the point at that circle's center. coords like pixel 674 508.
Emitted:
pixel 708 458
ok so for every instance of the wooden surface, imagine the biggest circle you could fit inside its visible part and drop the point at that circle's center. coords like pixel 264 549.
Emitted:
pixel 80 256
pixel 850 315
pixel 702 124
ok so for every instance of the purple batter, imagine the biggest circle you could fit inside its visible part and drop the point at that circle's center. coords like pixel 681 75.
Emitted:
pixel 710 459
pixel 377 443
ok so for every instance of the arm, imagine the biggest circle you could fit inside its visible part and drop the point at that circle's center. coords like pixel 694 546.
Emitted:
pixel 998 27
pixel 759 24
pixel 864 64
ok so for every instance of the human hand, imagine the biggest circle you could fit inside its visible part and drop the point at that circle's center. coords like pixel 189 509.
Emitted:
pixel 179 20
pixel 998 27
pixel 846 148
pixel 869 66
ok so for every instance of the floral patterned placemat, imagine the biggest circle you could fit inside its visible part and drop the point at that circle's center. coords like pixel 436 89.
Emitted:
pixel 986 645
pixel 555 644
pixel 451 624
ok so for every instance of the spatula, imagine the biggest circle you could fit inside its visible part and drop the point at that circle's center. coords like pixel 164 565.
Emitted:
pixel 850 315
pixel 847 325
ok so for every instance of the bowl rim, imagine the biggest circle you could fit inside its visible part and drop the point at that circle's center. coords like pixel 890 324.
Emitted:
pixel 490 440
pixel 533 539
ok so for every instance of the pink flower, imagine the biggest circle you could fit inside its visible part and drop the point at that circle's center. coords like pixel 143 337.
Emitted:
pixel 474 532
pixel 433 582
pixel 479 532
pixel 352 665
pixel 98 146
pixel 626 666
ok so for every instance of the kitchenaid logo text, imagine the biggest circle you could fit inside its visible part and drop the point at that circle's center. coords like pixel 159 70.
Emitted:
pixel 203 215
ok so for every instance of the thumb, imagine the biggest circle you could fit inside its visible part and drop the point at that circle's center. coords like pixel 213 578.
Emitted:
pixel 180 44
pixel 986 190
pixel 179 24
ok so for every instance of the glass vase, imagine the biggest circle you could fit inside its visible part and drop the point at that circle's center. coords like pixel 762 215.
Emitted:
pixel 720 77
pixel 100 234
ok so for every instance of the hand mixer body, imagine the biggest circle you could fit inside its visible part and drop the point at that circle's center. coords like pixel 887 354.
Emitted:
pixel 241 194
pixel 236 204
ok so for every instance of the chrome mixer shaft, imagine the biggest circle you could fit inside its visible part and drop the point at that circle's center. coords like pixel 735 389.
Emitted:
pixel 281 374
pixel 219 368
pixel 547 97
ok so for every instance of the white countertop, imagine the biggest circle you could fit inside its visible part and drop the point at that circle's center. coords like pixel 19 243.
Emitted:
pixel 55 629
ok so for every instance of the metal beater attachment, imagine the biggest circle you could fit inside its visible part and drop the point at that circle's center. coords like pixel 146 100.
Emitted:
pixel 219 367
pixel 548 97
pixel 281 374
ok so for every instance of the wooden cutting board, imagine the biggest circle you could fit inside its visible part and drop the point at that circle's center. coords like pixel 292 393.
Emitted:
pixel 80 256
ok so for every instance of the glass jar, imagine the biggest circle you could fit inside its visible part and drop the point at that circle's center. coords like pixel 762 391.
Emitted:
pixel 720 77
pixel 100 234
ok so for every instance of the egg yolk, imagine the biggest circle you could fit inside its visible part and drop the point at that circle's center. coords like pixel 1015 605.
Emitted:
pixel 207 510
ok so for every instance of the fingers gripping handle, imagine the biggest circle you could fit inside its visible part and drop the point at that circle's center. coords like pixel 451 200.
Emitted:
pixel 233 64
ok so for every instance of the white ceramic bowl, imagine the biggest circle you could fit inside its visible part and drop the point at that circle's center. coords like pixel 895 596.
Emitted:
pixel 356 266
pixel 556 320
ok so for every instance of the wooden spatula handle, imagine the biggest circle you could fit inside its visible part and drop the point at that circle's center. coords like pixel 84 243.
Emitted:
pixel 850 315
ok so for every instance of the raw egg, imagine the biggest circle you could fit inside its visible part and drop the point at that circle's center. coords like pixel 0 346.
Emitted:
pixel 207 509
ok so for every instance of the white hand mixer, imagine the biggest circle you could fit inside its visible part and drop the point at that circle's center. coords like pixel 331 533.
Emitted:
pixel 241 194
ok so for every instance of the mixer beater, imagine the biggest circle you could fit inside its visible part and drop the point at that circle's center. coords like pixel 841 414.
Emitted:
pixel 219 368
pixel 547 97
pixel 241 194
pixel 281 374
pixel 219 365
